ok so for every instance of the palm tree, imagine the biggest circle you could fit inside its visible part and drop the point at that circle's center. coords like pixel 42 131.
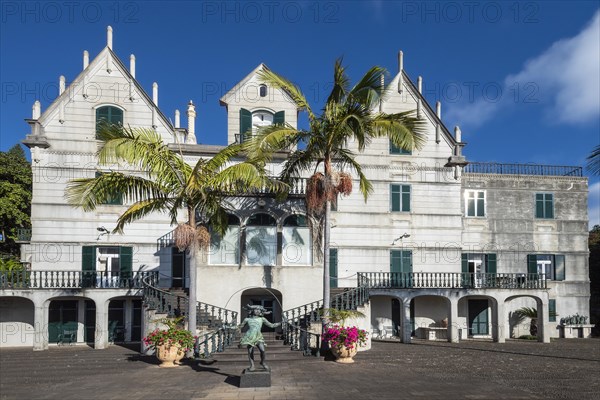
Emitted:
pixel 348 117
pixel 161 181
pixel 593 165
pixel 532 314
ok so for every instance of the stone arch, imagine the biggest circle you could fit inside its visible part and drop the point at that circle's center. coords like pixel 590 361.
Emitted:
pixel 429 310
pixel 17 321
pixel 386 315
pixel 479 316
pixel 516 326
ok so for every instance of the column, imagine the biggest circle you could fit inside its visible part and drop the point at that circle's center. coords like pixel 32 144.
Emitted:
pixel 406 326
pixel 453 328
pixel 80 321
pixel 128 319
pixel 499 322
pixel 543 333
pixel 101 339
pixel 40 321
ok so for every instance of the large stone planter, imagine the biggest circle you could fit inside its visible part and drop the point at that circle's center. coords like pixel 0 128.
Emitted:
pixel 343 354
pixel 169 355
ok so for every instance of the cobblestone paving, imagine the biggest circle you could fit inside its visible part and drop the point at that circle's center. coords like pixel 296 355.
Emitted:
pixel 563 369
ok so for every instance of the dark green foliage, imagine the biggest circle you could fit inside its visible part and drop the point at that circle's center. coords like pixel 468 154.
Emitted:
pixel 15 197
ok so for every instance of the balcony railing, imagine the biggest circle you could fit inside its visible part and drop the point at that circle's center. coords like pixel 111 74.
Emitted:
pixel 522 169
pixel 450 280
pixel 73 280
pixel 23 235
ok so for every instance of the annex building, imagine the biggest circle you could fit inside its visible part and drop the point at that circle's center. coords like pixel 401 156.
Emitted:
pixel 445 248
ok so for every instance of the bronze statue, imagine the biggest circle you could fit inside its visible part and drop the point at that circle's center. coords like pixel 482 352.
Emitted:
pixel 253 337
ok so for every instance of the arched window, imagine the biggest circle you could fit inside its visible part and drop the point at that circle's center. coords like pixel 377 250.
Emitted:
pixel 296 243
pixel 262 90
pixel 110 114
pixel 261 240
pixel 225 250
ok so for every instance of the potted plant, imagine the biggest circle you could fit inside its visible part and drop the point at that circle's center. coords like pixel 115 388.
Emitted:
pixel 344 340
pixel 171 344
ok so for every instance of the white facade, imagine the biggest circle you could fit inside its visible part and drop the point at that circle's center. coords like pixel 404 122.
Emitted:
pixel 417 223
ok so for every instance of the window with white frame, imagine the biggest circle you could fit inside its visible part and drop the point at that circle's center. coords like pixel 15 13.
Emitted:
pixel 261 240
pixel 475 203
pixel 296 243
pixel 225 249
pixel 548 266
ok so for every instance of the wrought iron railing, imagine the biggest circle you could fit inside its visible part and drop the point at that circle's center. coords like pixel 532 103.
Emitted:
pixel 219 321
pixel 297 321
pixel 23 234
pixel 451 280
pixel 167 240
pixel 73 279
pixel 522 169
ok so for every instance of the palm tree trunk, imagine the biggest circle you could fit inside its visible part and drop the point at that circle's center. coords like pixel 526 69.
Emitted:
pixel 326 236
pixel 193 257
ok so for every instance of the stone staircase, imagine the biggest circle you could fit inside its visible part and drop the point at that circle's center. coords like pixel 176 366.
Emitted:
pixel 277 353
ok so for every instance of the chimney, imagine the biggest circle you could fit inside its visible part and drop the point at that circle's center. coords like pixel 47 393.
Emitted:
pixel 61 85
pixel 457 134
pixel 155 93
pixel 109 37
pixel 132 65
pixel 191 114
pixel 400 70
pixel 438 109
pixel 86 59
pixel 177 121
pixel 420 84
pixel 36 110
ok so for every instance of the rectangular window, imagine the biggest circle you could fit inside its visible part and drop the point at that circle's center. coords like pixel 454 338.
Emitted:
pixel 397 150
pixel 401 268
pixel 552 310
pixel 551 266
pixel 261 245
pixel 544 205
pixel 475 203
pixel 106 266
pixel 225 250
pixel 400 197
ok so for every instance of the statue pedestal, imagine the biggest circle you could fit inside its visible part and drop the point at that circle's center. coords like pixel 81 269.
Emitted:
pixel 257 378
pixel 575 331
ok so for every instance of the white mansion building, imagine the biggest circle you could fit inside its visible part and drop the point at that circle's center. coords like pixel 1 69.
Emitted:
pixel 438 241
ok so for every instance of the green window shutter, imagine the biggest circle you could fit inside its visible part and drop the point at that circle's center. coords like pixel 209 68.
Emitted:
pixel 549 205
pixel 245 123
pixel 279 118
pixel 407 261
pixel 531 264
pixel 88 266
pixel 480 204
pixel 405 198
pixel 491 263
pixel 559 267
pixel 333 268
pixel 395 197
pixel 552 310
pixel 126 261
pixel 464 263
pixel 396 261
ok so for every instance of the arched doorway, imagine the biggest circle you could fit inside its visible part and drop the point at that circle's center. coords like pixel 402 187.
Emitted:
pixel 16 321
pixel 478 316
pixel 429 317
pixel 270 299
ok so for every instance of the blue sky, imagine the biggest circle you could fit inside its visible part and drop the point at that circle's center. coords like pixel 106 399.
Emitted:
pixel 521 78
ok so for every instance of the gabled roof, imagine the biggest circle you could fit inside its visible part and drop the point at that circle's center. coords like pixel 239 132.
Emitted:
pixel 77 83
pixel 406 79
pixel 262 66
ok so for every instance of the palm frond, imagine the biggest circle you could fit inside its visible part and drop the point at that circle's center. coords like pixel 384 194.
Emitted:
pixel 279 82
pixel 404 129
pixel 341 83
pixel 140 209
pixel 346 159
pixel 593 165
pixel 368 90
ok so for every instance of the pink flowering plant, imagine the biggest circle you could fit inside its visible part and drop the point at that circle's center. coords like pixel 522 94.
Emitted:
pixel 345 336
pixel 173 335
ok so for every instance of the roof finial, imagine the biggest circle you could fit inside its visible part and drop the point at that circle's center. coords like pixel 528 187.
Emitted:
pixel 109 37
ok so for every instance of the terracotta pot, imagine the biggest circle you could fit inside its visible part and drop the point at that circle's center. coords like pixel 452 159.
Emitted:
pixel 343 354
pixel 169 355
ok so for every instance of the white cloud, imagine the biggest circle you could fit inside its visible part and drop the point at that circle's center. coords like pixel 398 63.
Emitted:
pixel 566 79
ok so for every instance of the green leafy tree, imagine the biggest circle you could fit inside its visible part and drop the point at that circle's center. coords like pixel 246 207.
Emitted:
pixel 162 181
pixel 346 125
pixel 15 197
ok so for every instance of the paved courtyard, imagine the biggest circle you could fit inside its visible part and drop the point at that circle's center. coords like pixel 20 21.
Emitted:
pixel 565 369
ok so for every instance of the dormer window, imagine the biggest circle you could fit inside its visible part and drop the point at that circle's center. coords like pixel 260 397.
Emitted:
pixel 262 90
pixel 251 121
pixel 261 119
